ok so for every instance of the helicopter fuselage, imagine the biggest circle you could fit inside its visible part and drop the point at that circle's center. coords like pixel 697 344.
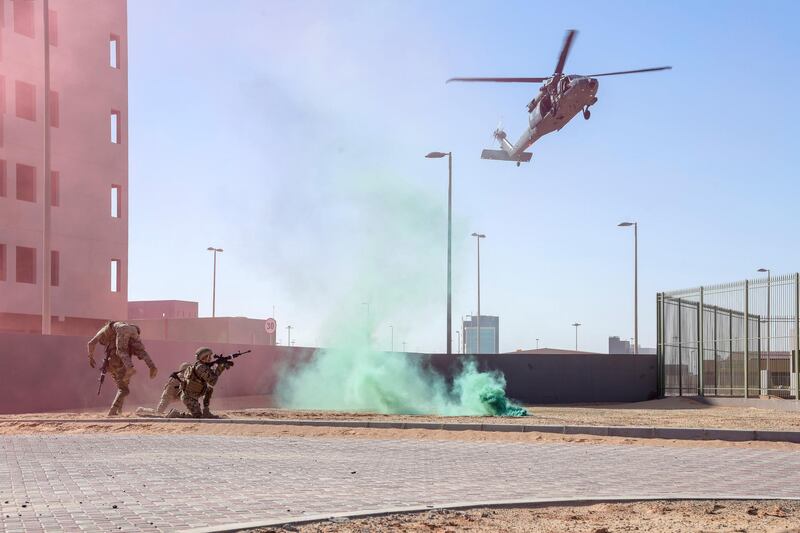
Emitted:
pixel 558 101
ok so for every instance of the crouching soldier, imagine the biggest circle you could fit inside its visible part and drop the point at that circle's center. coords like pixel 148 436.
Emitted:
pixel 199 380
pixel 121 340
pixel 172 390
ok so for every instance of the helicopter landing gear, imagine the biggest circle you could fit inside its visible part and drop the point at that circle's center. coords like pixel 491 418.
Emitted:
pixel 586 113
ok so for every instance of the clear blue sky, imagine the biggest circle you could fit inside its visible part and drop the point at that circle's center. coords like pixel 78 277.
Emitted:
pixel 250 121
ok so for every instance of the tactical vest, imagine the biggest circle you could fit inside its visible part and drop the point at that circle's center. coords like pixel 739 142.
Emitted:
pixel 192 383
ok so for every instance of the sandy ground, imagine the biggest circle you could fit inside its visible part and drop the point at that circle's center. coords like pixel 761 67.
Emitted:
pixel 9 427
pixel 660 516
pixel 668 412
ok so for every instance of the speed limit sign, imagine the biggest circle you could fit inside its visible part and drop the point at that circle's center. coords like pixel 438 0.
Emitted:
pixel 270 325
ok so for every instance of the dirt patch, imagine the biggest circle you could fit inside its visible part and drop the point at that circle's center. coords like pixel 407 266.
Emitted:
pixel 668 412
pixel 252 430
pixel 661 516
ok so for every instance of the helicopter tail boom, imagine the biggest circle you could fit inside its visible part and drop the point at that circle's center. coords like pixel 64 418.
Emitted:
pixel 502 155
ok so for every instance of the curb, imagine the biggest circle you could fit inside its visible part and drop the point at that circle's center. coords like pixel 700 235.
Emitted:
pixel 728 435
pixel 536 502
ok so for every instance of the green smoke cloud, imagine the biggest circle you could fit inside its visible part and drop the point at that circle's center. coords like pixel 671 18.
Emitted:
pixel 398 271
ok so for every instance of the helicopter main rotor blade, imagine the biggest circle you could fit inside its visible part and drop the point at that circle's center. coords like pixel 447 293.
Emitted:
pixel 562 59
pixel 501 80
pixel 628 72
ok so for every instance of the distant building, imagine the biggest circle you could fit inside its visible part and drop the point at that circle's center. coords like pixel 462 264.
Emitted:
pixel 489 335
pixel 619 346
pixel 161 309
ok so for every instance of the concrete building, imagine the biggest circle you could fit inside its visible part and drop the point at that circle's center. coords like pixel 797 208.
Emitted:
pixel 489 335
pixel 158 309
pixel 88 161
pixel 619 346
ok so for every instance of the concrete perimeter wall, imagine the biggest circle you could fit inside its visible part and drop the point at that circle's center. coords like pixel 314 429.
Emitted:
pixel 49 373
pixel 559 378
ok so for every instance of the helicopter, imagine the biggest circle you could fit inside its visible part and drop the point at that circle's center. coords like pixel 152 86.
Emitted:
pixel 560 99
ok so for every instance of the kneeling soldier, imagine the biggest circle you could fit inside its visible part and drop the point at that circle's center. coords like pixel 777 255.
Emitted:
pixel 199 380
pixel 172 390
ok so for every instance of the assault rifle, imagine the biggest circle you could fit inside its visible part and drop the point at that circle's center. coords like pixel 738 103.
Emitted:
pixel 103 370
pixel 227 360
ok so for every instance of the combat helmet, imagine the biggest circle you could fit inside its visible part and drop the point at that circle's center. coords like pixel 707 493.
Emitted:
pixel 204 354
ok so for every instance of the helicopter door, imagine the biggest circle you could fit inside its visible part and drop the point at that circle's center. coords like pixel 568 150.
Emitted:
pixel 545 105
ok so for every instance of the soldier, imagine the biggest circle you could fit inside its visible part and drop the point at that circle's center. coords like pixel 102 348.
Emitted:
pixel 121 340
pixel 199 380
pixel 172 390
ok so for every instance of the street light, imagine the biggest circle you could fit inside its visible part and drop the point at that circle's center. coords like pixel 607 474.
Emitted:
pixel 289 335
pixel 537 344
pixel 635 282
pixel 478 237
pixel 769 329
pixel 392 328
pixel 214 282
pixel 458 336
pixel 576 324
pixel 438 155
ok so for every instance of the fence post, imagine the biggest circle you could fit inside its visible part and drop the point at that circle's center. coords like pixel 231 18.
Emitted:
pixel 659 345
pixel 797 334
pixel 680 352
pixel 700 347
pixel 716 355
pixel 730 351
pixel 746 338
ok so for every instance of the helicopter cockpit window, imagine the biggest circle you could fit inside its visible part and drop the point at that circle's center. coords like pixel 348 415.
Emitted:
pixel 564 84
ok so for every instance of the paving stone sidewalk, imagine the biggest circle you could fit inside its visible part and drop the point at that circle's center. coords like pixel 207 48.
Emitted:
pixel 174 482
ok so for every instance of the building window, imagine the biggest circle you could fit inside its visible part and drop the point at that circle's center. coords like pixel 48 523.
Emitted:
pixel 116 272
pixel 3 190
pixel 52 27
pixel 26 264
pixel 115 127
pixel 116 197
pixel 2 262
pixel 113 51
pixel 25 100
pixel 54 120
pixel 23 17
pixel 55 188
pixel 55 267
pixel 26 183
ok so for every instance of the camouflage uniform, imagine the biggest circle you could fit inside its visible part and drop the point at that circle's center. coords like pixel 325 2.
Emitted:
pixel 199 380
pixel 172 390
pixel 121 340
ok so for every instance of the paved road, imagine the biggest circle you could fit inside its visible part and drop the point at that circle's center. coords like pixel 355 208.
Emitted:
pixel 133 483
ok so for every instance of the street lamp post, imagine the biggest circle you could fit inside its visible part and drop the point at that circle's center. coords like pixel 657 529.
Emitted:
pixel 214 281
pixel 392 344
pixel 769 329
pixel 458 337
pixel 576 324
pixel 537 344
pixel 437 155
pixel 635 282
pixel 478 237
pixel 289 335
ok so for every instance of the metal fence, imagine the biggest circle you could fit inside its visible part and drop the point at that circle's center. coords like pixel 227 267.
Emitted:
pixel 735 339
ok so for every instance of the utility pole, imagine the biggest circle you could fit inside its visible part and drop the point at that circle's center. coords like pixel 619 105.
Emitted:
pixel 576 324
pixel 289 333
pixel 478 237
pixel 214 281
